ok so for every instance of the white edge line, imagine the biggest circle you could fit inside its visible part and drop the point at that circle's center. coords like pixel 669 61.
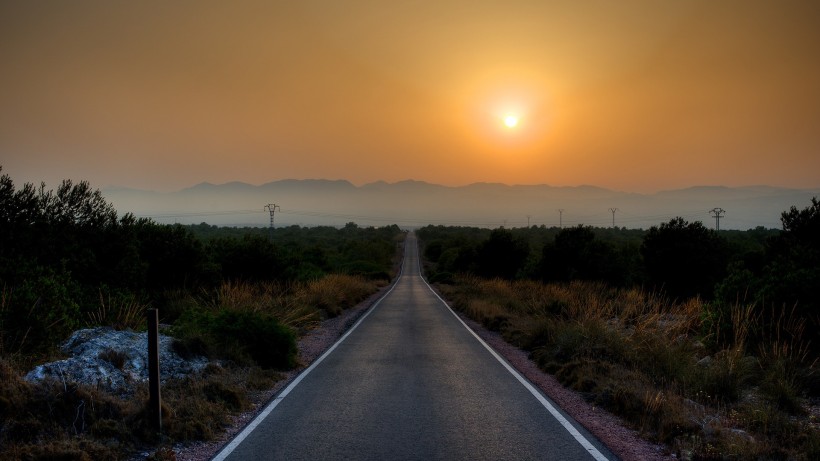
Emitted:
pixel 588 446
pixel 230 447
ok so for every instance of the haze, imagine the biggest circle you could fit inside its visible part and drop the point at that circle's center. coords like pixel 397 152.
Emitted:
pixel 633 96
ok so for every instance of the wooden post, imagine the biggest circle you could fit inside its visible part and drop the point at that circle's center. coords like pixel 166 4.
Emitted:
pixel 154 399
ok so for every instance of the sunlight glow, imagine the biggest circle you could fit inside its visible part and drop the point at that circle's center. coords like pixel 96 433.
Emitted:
pixel 510 121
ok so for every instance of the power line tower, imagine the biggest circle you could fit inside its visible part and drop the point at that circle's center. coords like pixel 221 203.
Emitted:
pixel 717 213
pixel 271 207
pixel 613 210
pixel 560 218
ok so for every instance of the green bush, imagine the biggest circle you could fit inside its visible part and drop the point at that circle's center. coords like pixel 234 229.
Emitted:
pixel 367 269
pixel 40 310
pixel 240 336
pixel 442 277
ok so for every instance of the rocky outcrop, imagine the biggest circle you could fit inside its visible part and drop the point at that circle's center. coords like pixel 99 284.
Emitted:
pixel 116 361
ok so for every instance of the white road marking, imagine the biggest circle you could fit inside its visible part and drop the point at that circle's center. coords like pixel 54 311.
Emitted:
pixel 588 446
pixel 229 448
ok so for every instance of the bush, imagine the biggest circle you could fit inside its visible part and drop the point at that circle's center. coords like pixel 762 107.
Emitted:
pixel 686 259
pixel 240 336
pixel 577 255
pixel 39 311
pixel 335 293
pixel 640 356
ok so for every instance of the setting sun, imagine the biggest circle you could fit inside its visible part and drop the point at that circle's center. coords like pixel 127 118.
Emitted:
pixel 510 121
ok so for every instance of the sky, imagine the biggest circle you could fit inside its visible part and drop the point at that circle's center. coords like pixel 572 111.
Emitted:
pixel 635 96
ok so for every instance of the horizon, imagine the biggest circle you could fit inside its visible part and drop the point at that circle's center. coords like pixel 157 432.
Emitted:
pixel 222 204
pixel 415 203
pixel 639 96
pixel 455 186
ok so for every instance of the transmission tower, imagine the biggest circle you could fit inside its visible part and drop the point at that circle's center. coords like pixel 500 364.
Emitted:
pixel 271 207
pixel 613 210
pixel 560 218
pixel 717 213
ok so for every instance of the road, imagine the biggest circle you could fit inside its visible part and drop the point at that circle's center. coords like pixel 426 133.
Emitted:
pixel 409 382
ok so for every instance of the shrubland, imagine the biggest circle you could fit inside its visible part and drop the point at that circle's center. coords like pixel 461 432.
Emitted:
pixel 236 296
pixel 704 341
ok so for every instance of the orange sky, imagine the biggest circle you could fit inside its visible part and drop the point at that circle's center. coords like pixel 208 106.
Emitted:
pixel 633 96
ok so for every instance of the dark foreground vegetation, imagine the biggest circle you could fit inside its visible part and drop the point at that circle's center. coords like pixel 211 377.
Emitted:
pixel 68 261
pixel 705 341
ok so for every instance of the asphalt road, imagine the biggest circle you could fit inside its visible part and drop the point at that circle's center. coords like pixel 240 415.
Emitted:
pixel 411 382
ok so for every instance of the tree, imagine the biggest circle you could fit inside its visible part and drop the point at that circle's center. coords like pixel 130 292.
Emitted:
pixel 502 255
pixel 792 274
pixel 685 259
pixel 577 255
pixel 251 258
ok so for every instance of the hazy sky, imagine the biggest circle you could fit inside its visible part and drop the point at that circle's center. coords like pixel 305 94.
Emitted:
pixel 634 96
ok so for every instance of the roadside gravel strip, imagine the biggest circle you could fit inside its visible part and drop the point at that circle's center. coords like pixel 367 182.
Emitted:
pixel 624 442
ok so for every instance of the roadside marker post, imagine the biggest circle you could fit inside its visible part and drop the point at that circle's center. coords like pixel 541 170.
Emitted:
pixel 154 399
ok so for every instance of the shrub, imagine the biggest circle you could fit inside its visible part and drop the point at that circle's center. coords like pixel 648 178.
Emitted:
pixel 118 310
pixel 639 355
pixel 40 310
pixel 442 277
pixel 334 293
pixel 241 336
pixel 687 259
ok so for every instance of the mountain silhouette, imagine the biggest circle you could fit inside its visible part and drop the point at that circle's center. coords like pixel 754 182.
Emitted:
pixel 412 203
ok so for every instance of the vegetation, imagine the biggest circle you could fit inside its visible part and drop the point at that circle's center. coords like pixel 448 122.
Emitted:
pixel 704 341
pixel 67 261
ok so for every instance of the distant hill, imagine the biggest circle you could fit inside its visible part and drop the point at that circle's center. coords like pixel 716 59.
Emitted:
pixel 417 203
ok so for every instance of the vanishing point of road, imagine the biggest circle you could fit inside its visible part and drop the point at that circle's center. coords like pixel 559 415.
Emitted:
pixel 410 382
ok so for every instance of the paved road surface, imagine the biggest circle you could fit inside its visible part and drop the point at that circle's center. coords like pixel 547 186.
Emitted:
pixel 410 382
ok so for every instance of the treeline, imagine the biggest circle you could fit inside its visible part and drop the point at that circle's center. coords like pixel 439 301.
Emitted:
pixel 62 251
pixel 769 269
pixel 303 253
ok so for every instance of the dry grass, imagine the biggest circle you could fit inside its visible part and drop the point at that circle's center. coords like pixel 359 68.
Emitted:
pixel 59 420
pixel 660 367
pixel 119 313
pixel 298 305
pixel 56 420
pixel 277 299
pixel 336 292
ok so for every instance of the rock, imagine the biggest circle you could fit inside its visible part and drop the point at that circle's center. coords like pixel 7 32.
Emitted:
pixel 743 435
pixel 116 361
pixel 705 362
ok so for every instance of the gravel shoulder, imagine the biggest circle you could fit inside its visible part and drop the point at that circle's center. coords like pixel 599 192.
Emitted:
pixel 621 440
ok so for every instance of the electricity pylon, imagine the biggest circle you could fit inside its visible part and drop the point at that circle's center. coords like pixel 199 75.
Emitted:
pixel 717 213
pixel 271 207
pixel 613 210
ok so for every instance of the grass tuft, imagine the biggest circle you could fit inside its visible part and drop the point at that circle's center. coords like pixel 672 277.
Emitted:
pixel 119 312
pixel 712 382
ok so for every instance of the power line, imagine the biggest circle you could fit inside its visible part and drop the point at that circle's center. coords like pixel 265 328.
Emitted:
pixel 597 219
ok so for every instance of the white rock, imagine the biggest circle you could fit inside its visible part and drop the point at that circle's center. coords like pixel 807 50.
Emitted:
pixel 86 367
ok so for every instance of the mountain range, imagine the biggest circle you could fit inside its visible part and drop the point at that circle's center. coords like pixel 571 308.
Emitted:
pixel 416 203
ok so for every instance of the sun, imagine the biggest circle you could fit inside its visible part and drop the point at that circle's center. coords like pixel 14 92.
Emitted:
pixel 510 121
